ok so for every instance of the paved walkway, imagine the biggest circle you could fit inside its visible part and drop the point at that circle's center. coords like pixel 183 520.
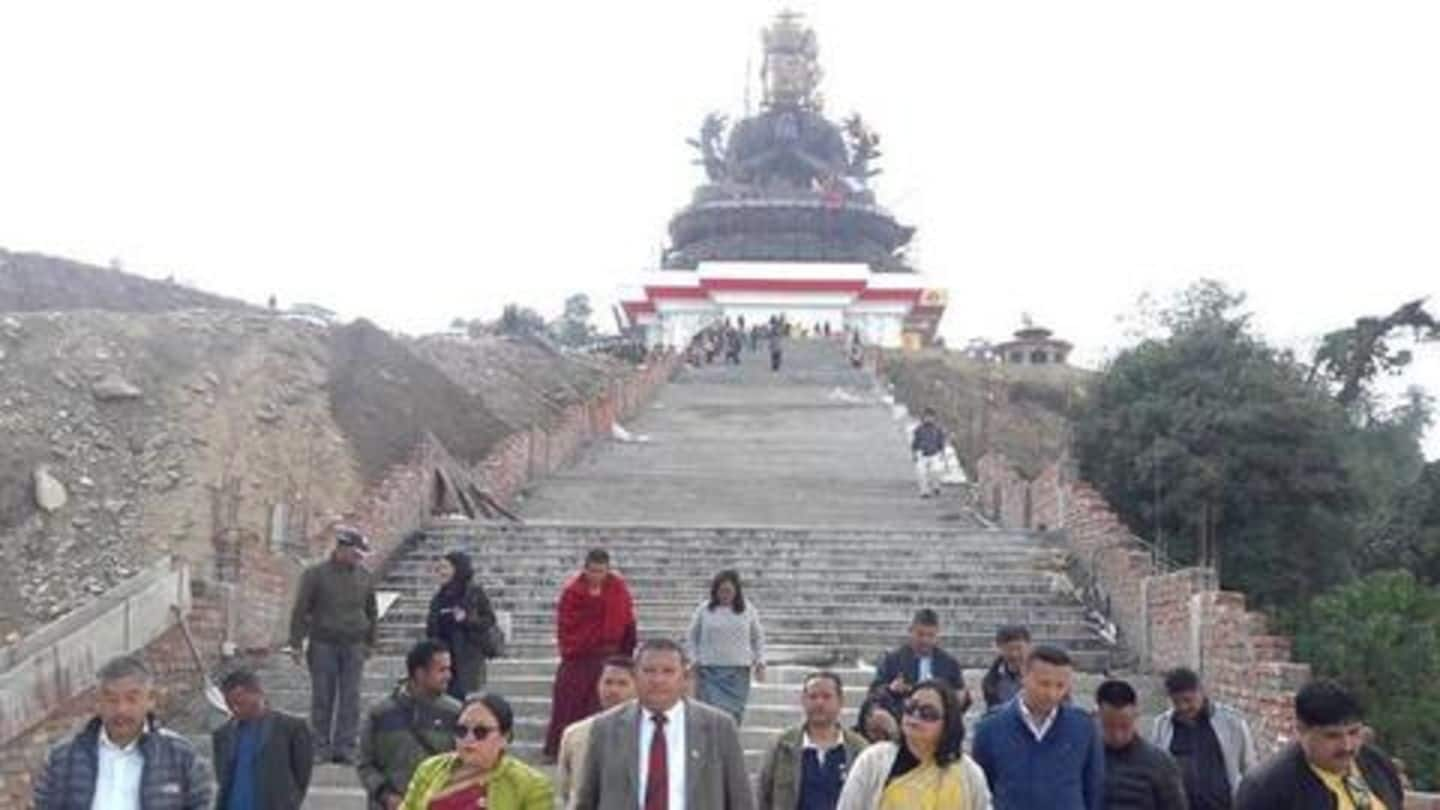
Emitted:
pixel 813 445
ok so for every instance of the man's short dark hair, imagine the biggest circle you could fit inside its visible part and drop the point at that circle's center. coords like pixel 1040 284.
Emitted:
pixel 1116 694
pixel 1181 680
pixel 1051 655
pixel 241 679
pixel 125 666
pixel 422 654
pixel 661 645
pixel 1326 703
pixel 824 675
pixel 1012 632
pixel 621 662
pixel 926 617
pixel 597 556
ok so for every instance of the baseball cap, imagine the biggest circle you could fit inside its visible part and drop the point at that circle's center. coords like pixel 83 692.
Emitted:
pixel 352 538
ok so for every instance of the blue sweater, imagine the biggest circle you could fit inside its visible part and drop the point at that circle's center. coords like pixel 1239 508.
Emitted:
pixel 1064 771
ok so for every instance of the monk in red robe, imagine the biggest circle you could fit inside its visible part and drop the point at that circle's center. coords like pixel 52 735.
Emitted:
pixel 595 620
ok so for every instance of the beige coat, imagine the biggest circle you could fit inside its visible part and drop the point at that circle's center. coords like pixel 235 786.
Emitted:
pixel 571 761
pixel 866 780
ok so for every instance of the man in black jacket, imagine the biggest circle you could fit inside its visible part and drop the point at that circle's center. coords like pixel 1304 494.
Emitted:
pixel 262 757
pixel 1138 774
pixel 1329 761
pixel 927 446
pixel 1002 681
pixel 921 659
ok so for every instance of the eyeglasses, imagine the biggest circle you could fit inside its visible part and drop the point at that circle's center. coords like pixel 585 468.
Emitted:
pixel 479 732
pixel 924 712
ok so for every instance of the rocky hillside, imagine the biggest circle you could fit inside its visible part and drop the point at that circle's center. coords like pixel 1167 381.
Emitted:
pixel 131 434
pixel 31 282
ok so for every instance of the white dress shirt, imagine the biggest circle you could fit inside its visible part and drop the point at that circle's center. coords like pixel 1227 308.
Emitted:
pixel 675 755
pixel 925 669
pixel 1040 728
pixel 117 782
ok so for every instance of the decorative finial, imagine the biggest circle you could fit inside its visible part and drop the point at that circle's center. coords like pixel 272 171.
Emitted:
pixel 791 71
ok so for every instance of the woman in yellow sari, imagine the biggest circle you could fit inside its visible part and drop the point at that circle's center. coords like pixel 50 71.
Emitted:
pixel 478 773
pixel 928 769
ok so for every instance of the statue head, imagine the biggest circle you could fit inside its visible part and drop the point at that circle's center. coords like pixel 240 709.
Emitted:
pixel 791 70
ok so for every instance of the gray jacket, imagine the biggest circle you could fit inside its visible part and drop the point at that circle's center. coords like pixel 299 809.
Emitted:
pixel 1236 744
pixel 715 777
pixel 174 776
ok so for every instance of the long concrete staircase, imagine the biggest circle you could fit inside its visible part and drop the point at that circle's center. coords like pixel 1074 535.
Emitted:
pixel 802 482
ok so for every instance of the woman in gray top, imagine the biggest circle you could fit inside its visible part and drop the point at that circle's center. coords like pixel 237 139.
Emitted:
pixel 727 643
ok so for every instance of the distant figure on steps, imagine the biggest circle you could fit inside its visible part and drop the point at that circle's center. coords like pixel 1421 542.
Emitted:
pixel 461 617
pixel 927 446
pixel 594 620
pixel 727 644
pixel 777 345
pixel 1002 681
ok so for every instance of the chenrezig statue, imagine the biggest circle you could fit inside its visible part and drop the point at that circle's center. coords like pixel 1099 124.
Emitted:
pixel 787 183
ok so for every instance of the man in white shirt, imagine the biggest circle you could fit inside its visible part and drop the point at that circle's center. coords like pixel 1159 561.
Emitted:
pixel 663 752
pixel 122 755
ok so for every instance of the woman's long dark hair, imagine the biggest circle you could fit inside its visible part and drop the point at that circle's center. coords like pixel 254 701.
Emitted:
pixel 733 577
pixel 952 733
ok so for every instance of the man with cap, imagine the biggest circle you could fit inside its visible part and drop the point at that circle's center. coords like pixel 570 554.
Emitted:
pixel 335 608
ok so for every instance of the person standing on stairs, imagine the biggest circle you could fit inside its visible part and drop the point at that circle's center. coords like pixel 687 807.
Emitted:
pixel 263 758
pixel 806 766
pixel 415 722
pixel 1002 681
pixel 664 751
pixel 617 685
pixel 727 643
pixel 927 445
pixel 927 769
pixel 335 608
pixel 594 620
pixel 777 345
pixel 461 617
pixel 920 659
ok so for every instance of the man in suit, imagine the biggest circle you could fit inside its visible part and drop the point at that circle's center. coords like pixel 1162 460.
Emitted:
pixel 662 751
pixel 262 757
pixel 920 659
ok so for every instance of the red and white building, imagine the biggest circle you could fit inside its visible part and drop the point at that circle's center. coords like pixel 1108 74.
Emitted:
pixel 890 310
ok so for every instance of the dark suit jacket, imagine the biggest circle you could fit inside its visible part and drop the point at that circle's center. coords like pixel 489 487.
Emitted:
pixel 1285 782
pixel 282 766
pixel 715 777
pixel 904 661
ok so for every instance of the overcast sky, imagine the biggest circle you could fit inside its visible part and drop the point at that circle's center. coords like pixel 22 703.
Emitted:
pixel 414 162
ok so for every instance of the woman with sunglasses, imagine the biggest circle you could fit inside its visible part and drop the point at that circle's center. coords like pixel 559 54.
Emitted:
pixel 478 773
pixel 927 769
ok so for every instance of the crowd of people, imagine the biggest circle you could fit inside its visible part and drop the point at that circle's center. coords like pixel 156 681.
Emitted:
pixel 654 724
pixel 724 341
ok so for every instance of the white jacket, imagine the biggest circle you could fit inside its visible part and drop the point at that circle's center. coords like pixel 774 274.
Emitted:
pixel 866 780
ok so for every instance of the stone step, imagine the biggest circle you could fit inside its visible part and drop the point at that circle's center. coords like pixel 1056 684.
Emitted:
pixel 624 536
pixel 414 606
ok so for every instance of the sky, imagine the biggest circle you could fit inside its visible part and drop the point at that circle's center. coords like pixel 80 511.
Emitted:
pixel 416 162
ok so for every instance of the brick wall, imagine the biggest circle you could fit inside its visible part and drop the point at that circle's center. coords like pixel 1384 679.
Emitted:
pixel 1166 618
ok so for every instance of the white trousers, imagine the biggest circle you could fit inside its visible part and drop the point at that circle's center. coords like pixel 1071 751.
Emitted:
pixel 928 472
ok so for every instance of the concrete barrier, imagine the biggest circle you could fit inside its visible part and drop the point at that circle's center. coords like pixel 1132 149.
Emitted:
pixel 59 661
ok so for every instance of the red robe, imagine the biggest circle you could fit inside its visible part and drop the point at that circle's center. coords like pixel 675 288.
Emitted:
pixel 589 628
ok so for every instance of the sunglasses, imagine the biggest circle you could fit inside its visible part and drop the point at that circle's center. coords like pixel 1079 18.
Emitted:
pixel 479 732
pixel 924 712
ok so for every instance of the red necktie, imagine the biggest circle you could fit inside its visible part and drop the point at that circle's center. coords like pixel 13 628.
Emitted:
pixel 657 780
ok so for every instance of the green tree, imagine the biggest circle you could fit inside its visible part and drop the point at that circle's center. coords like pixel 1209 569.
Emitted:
pixel 1355 356
pixel 573 328
pixel 1213 442
pixel 516 320
pixel 1380 636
